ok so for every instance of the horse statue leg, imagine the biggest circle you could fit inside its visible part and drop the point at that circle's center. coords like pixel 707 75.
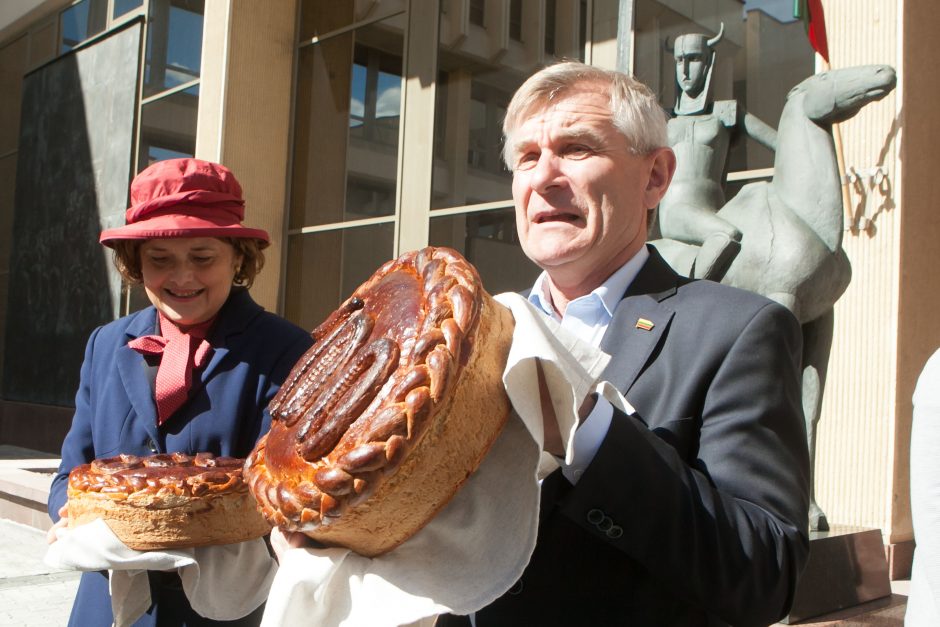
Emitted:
pixel 817 342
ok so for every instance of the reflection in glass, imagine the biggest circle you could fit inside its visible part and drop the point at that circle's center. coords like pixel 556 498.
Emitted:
pixel 475 85
pixel 318 17
pixel 321 17
pixel 174 44
pixel 468 167
pixel 125 6
pixel 515 19
pixel 375 98
pixel 780 10
pixel 488 240
pixel 347 126
pixel 168 127
pixel 81 21
pixel 478 12
pixel 324 268
pixel 550 26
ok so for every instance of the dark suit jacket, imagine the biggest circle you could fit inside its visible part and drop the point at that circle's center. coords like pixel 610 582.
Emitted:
pixel 115 412
pixel 694 511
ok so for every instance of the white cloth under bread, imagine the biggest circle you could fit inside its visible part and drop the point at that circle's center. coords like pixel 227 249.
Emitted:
pixel 223 582
pixel 477 547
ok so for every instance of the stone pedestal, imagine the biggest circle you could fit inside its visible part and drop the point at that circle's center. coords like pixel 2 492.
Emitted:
pixel 846 567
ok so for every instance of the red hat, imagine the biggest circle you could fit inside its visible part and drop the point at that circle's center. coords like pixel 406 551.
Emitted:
pixel 184 198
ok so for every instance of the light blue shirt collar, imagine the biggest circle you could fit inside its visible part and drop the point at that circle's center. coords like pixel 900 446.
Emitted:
pixel 594 309
pixel 588 318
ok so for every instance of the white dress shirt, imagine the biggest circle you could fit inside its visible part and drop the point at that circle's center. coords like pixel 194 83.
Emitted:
pixel 588 317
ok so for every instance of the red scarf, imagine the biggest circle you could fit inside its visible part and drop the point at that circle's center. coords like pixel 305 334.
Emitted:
pixel 181 352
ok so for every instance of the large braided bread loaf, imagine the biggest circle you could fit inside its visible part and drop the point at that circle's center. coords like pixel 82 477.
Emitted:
pixel 166 500
pixel 391 410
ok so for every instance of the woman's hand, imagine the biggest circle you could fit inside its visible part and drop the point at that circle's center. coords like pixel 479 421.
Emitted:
pixel 63 522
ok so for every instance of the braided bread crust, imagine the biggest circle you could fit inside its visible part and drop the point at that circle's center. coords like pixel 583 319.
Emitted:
pixel 167 500
pixel 390 411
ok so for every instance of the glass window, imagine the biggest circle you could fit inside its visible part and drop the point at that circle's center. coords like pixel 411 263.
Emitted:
pixel 125 6
pixel 375 96
pixel 174 44
pixel 550 25
pixel 168 127
pixel 471 104
pixel 321 17
pixel 346 179
pixel 81 21
pixel 324 268
pixel 468 167
pixel 488 240
pixel 472 96
pixel 515 19
pixel 478 12
pixel 347 126
pixel 345 151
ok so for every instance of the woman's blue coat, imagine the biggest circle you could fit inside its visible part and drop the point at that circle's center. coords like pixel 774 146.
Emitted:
pixel 253 352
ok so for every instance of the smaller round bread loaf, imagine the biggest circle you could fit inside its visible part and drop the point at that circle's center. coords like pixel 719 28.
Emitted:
pixel 167 500
pixel 391 410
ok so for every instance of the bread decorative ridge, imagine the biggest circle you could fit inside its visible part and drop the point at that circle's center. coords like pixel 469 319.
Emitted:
pixel 392 408
pixel 166 501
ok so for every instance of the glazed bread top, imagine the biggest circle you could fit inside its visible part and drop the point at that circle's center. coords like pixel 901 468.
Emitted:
pixel 176 474
pixel 364 394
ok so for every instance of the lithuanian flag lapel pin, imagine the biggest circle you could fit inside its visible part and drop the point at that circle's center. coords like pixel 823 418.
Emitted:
pixel 643 323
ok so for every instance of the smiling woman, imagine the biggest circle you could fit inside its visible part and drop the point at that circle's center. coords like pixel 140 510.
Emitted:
pixel 194 372
pixel 188 279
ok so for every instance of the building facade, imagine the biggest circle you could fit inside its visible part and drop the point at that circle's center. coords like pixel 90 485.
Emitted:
pixel 367 128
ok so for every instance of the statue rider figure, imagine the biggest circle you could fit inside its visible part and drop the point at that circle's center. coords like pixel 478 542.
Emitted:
pixel 700 135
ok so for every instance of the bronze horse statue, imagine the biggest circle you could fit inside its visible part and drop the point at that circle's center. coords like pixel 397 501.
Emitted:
pixel 791 248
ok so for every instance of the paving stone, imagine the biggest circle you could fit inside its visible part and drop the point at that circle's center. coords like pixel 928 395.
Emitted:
pixel 31 593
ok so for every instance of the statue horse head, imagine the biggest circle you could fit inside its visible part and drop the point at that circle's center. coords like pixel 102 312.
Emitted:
pixel 791 249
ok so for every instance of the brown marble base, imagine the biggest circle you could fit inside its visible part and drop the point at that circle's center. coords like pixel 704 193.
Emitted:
pixel 846 567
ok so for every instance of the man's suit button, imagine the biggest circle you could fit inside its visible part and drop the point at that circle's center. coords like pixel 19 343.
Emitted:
pixel 606 524
pixel 595 516
pixel 614 532
pixel 151 445
pixel 516 588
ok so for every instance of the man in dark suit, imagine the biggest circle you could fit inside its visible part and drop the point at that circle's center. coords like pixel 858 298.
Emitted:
pixel 693 510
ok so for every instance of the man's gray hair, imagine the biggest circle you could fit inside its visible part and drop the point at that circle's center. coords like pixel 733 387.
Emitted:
pixel 635 110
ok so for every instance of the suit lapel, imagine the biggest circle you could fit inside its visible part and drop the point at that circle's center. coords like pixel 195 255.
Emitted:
pixel 233 319
pixel 133 372
pixel 640 321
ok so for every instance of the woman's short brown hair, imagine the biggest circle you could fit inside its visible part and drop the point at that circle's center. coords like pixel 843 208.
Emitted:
pixel 127 259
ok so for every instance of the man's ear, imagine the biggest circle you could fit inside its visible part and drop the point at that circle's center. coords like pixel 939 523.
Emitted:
pixel 662 164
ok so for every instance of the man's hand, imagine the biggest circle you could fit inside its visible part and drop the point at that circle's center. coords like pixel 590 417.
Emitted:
pixel 553 443
pixel 587 407
pixel 281 541
pixel 63 522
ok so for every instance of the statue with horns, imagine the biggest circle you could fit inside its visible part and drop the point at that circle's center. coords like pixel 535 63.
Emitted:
pixel 781 238
pixel 700 134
